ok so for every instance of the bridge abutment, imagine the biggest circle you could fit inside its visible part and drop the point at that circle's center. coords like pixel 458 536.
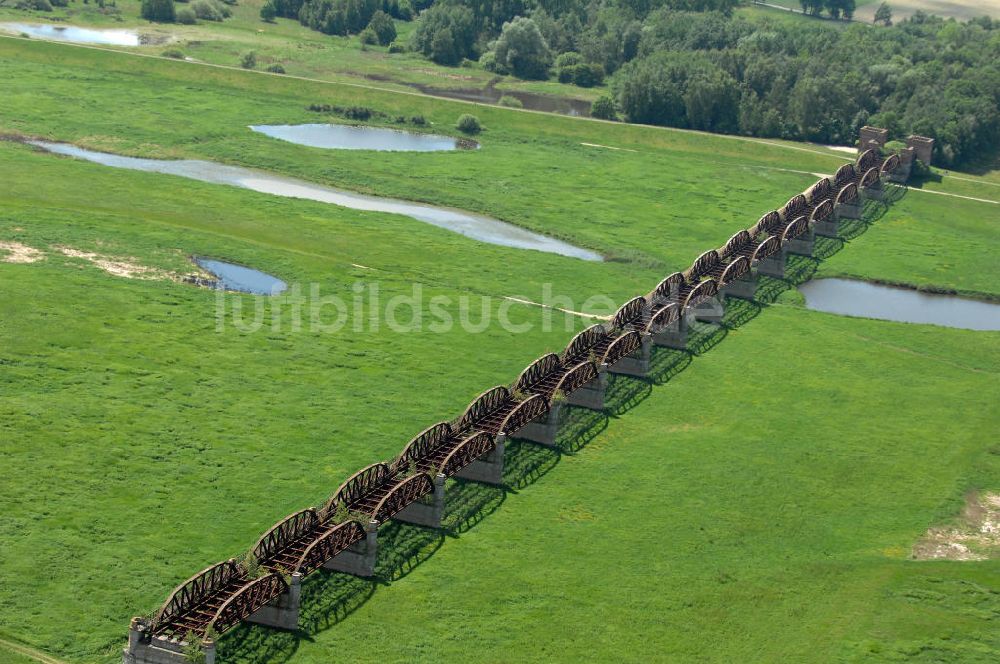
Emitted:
pixel 144 649
pixel 359 559
pixel 428 510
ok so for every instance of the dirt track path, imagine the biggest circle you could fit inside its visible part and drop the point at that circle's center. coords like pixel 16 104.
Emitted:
pixel 30 653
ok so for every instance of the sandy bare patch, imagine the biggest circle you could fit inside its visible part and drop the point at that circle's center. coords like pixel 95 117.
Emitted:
pixel 976 536
pixel 15 252
pixel 117 266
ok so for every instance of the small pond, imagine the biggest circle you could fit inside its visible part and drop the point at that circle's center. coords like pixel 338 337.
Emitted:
pixel 70 33
pixel 859 298
pixel 239 278
pixel 529 100
pixel 477 227
pixel 345 137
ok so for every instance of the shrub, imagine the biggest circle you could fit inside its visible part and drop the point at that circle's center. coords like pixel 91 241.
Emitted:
pixel 186 16
pixel 383 27
pixel 276 69
pixel 268 12
pixel 603 108
pixel 249 60
pixel 522 49
pixel 173 53
pixel 488 60
pixel 59 3
pixel 418 120
pixel 587 74
pixel 468 124
pixel 210 10
pixel 510 102
pixel 368 37
pixel 161 11
pixel 396 47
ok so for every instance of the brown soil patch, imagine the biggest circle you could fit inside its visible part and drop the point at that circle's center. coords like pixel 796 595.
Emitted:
pixel 117 266
pixel 15 252
pixel 976 535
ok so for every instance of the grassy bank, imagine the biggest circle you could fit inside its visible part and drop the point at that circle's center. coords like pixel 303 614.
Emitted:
pixel 757 501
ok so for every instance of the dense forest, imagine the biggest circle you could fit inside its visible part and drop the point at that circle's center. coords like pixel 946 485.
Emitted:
pixel 693 63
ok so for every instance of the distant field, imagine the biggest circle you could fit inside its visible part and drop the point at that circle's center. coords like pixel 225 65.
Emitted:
pixel 755 501
pixel 962 10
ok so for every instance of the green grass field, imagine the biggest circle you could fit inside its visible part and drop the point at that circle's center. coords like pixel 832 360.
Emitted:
pixel 755 501
pixel 301 51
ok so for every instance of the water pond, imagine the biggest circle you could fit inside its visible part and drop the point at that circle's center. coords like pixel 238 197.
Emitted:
pixel 860 298
pixel 70 33
pixel 346 137
pixel 240 278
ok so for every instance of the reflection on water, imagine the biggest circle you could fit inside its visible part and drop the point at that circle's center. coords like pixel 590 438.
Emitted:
pixel 244 279
pixel 860 298
pixel 477 227
pixel 70 33
pixel 345 137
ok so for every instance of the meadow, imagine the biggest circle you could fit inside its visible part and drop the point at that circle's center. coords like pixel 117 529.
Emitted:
pixel 299 50
pixel 756 499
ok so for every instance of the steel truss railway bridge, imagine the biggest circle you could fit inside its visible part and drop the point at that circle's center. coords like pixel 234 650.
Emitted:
pixel 342 534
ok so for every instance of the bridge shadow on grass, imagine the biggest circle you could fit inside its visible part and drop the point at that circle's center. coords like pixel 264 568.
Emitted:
pixel 578 426
pixel 256 644
pixel 467 503
pixel 665 363
pixel 402 547
pixel 825 247
pixel 624 393
pixel 739 312
pixel 525 463
pixel 703 337
pixel 769 289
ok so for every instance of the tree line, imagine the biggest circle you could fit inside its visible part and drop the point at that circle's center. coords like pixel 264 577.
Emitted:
pixel 694 64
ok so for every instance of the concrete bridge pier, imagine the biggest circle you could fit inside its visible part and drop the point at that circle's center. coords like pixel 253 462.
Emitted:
pixel 545 429
pixel 803 245
pixel 591 395
pixel 712 310
pixel 636 364
pixel 283 612
pixel 743 288
pixel 143 649
pixel 428 510
pixel 488 468
pixel 874 192
pixel 829 227
pixel 359 558
pixel 674 335
pixel 847 210
pixel 773 266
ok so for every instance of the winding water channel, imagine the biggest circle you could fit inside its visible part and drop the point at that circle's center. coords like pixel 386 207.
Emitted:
pixel 477 227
